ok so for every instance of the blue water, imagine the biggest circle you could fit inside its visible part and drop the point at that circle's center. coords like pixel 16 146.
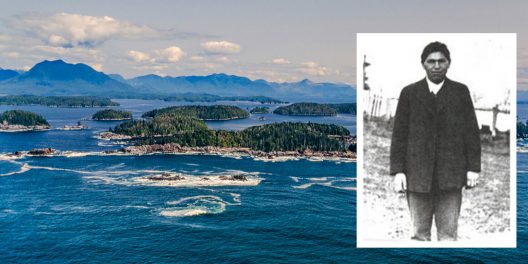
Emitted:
pixel 91 209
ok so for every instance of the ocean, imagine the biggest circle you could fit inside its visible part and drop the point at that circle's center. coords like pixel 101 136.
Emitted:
pixel 85 207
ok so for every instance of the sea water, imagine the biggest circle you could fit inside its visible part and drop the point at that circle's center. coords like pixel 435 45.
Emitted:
pixel 83 206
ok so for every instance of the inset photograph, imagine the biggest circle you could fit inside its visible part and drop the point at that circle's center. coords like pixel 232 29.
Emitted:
pixel 436 140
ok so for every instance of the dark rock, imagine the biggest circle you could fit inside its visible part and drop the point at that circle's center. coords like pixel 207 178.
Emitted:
pixel 239 177
pixel 41 152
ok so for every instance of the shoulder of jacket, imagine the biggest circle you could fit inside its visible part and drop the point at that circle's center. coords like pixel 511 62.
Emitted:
pixel 457 85
pixel 411 88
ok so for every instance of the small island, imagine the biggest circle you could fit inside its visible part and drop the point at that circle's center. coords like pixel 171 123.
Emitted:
pixel 57 101
pixel 306 109
pixel 345 108
pixel 20 120
pixel 207 113
pixel 315 109
pixel 112 115
pixel 260 110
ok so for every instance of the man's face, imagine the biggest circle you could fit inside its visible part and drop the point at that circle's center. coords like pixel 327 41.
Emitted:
pixel 436 65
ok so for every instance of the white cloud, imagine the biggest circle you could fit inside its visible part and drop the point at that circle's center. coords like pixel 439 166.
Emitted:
pixel 167 55
pixel 73 30
pixel 221 47
pixel 170 54
pixel 97 66
pixel 138 56
pixel 280 61
pixel 313 68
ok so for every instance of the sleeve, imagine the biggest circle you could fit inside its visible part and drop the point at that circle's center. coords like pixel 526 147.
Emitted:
pixel 472 145
pixel 398 148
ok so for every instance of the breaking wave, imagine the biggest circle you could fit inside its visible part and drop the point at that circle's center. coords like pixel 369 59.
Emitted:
pixel 331 182
pixel 198 205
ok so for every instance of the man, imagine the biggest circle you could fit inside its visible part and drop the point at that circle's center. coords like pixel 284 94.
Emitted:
pixel 435 148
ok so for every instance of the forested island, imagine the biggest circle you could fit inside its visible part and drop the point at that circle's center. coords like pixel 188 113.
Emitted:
pixel 167 131
pixel 213 112
pixel 260 110
pixel 112 115
pixel 20 120
pixel 315 109
pixel 57 101
pixel 203 97
pixel 345 108
pixel 306 109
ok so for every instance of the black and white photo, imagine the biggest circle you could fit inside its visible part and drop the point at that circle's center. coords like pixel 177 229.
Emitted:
pixel 435 163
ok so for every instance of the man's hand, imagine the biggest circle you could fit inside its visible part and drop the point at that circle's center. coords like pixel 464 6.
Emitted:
pixel 472 179
pixel 400 182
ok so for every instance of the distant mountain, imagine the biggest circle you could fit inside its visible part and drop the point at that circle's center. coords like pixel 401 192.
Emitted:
pixel 218 84
pixel 7 74
pixel 117 77
pixel 232 85
pixel 307 89
pixel 61 78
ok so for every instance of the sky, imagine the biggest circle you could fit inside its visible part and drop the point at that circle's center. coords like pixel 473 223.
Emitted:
pixel 272 40
pixel 469 54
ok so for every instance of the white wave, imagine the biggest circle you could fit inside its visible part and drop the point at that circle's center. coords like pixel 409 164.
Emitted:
pixel 236 198
pixel 195 205
pixel 325 181
pixel 25 167
pixel 76 154
pixel 319 179
pixel 10 157
pixel 117 166
pixel 303 186
pixel 183 212
pixel 295 179
pixel 195 181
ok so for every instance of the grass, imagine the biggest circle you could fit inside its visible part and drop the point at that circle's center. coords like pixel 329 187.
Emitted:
pixel 485 208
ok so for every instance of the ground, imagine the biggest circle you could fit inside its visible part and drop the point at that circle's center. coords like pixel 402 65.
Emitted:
pixel 485 209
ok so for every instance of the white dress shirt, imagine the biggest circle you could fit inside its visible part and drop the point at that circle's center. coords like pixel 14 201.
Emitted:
pixel 433 87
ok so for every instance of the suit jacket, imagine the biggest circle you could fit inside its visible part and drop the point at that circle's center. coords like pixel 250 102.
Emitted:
pixel 435 137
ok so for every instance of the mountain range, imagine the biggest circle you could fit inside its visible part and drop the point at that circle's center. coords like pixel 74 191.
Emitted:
pixel 61 78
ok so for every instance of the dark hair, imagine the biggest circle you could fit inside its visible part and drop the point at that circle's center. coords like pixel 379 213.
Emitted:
pixel 435 47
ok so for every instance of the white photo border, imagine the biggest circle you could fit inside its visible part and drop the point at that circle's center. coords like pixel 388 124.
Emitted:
pixel 362 227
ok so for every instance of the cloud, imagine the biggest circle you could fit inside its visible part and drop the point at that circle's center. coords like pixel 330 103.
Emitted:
pixel 168 55
pixel 280 61
pixel 313 68
pixel 223 59
pixel 138 56
pixel 74 30
pixel 221 47
pixel 197 59
pixel 97 66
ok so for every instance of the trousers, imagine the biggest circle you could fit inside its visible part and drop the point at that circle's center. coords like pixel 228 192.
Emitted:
pixel 444 206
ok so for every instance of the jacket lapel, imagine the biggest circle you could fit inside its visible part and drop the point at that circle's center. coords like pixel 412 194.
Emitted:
pixel 424 96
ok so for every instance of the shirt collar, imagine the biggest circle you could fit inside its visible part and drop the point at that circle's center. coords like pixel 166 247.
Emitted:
pixel 433 87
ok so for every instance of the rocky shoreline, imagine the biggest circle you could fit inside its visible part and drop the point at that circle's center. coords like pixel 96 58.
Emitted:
pixel 173 148
pixel 22 128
